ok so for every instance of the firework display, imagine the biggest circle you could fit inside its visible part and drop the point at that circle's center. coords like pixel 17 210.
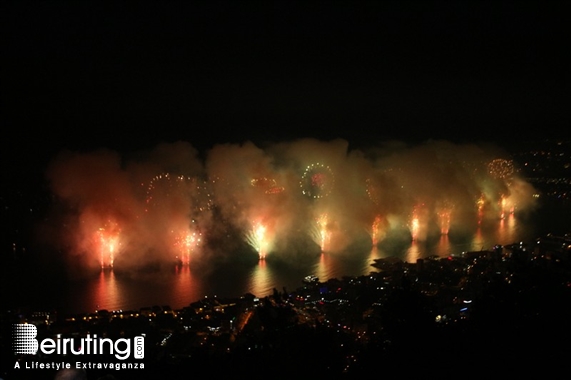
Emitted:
pixel 268 185
pixel 376 229
pixel 107 241
pixel 373 191
pixel 256 237
pixel 444 212
pixel 501 168
pixel 166 190
pixel 187 244
pixel 225 201
pixel 317 181
pixel 321 234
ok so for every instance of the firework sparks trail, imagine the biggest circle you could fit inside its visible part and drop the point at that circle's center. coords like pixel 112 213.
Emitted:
pixel 372 191
pixel 375 229
pixel 187 244
pixel 444 213
pixel 415 224
pixel 414 227
pixel 321 234
pixel 506 206
pixel 257 238
pixel 444 220
pixel 108 239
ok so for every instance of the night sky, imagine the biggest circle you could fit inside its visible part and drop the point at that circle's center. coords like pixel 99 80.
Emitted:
pixel 82 76
pixel 129 75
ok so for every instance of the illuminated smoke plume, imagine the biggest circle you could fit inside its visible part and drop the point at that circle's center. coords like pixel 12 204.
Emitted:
pixel 167 204
pixel 121 212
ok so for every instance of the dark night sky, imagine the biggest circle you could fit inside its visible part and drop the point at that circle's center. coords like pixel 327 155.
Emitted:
pixel 127 75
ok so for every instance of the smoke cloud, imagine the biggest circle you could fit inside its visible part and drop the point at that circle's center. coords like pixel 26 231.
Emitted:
pixel 283 200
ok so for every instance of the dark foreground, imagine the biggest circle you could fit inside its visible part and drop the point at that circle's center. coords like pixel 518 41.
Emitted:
pixel 503 312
